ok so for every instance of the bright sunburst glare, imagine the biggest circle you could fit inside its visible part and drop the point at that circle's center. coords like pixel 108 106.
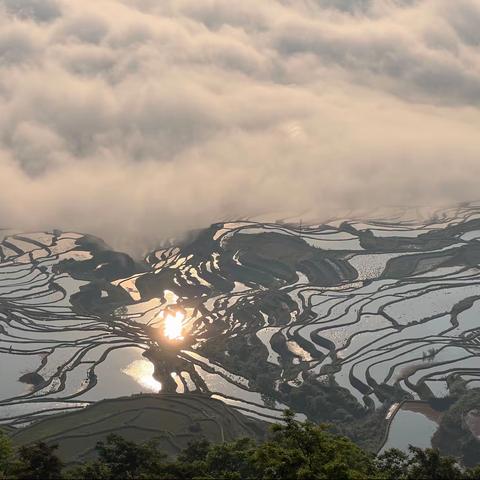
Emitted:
pixel 173 326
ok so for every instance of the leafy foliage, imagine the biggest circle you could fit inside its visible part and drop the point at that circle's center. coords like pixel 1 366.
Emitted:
pixel 294 450
pixel 6 456
pixel 120 458
pixel 454 435
pixel 38 462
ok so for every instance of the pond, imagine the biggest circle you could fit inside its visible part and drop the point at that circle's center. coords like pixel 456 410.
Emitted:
pixel 410 428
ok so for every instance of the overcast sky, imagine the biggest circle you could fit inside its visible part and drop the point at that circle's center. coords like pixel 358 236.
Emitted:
pixel 145 118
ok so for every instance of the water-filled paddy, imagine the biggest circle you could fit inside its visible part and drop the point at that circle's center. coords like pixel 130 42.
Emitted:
pixel 327 320
pixel 410 428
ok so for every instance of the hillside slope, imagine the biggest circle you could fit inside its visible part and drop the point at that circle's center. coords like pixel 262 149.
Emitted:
pixel 173 419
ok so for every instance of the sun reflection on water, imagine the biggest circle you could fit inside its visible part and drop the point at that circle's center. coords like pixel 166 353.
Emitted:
pixel 173 326
pixel 142 372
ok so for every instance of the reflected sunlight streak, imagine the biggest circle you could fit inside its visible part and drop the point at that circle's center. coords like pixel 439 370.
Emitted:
pixel 142 372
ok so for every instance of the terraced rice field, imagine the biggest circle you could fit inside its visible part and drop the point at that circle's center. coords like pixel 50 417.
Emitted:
pixel 171 420
pixel 386 308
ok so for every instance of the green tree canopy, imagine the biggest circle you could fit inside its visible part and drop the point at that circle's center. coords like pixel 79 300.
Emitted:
pixel 294 451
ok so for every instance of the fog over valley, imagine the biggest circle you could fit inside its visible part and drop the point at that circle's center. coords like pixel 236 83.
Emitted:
pixel 138 120
pixel 240 239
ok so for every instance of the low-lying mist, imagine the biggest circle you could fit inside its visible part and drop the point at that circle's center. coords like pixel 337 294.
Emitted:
pixel 138 120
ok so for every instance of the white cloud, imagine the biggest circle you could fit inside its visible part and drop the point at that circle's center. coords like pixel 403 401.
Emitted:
pixel 140 117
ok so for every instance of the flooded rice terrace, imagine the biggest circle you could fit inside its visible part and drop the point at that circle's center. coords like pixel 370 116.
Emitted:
pixel 337 321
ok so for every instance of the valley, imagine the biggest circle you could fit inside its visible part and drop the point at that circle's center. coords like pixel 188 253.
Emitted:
pixel 347 322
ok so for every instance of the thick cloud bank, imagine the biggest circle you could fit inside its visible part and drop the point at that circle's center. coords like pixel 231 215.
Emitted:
pixel 147 117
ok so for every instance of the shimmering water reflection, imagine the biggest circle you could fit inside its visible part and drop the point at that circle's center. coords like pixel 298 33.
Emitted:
pixel 142 372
